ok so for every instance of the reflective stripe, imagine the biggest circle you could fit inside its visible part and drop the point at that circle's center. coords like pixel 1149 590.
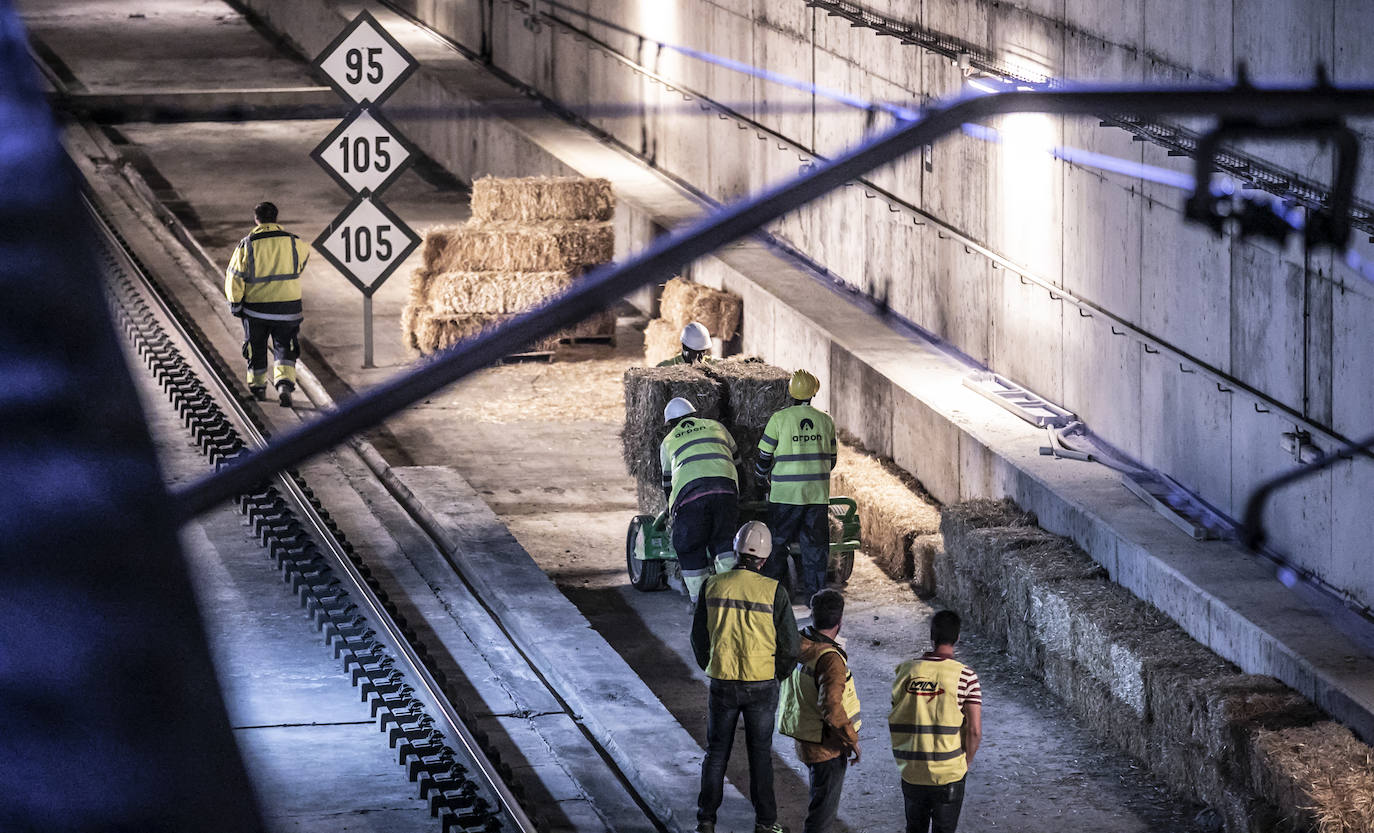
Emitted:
pixel 271 278
pixel 740 604
pixel 699 441
pixel 800 478
pixel 703 571
pixel 904 755
pixel 710 455
pixel 268 316
pixel 915 729
pixel 767 440
pixel 287 363
pixel 791 458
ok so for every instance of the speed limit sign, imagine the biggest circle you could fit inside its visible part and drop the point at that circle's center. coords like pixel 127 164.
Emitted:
pixel 366 242
pixel 365 63
pixel 364 153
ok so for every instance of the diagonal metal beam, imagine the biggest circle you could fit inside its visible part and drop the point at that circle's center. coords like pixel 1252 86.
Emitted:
pixel 666 256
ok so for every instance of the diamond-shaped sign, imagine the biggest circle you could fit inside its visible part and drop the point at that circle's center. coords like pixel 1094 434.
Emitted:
pixel 366 242
pixel 364 153
pixel 365 63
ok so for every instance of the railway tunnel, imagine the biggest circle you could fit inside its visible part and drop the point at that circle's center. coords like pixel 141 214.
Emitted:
pixel 1020 310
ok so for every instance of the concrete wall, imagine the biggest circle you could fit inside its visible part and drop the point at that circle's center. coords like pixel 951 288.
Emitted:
pixel 1296 329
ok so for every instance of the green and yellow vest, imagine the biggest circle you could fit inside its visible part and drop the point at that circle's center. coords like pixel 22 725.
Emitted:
pixel 739 618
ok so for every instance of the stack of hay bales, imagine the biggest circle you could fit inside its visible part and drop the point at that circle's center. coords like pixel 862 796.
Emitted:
pixel 1257 752
pixel 683 302
pixel 900 529
pixel 528 240
pixel 741 394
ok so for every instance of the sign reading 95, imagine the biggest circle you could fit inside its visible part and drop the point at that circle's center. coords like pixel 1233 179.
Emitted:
pixel 366 242
pixel 365 63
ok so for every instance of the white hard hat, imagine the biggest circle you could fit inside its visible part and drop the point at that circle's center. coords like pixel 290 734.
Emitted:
pixel 678 407
pixel 695 336
pixel 754 539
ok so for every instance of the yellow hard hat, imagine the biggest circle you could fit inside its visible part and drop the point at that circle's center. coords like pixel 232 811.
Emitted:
pixel 803 385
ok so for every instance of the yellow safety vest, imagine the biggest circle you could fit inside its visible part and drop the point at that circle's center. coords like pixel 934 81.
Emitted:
pixel 801 440
pixel 264 274
pixel 926 722
pixel 739 619
pixel 799 701
pixel 697 447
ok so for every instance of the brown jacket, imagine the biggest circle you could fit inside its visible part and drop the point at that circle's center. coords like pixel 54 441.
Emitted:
pixel 838 736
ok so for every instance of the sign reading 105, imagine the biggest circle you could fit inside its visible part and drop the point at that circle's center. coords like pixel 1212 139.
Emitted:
pixel 358 242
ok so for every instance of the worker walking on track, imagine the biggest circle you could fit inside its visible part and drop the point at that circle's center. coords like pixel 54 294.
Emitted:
pixel 263 286
pixel 744 637
pixel 696 343
pixel 796 454
pixel 819 708
pixel 936 726
pixel 701 484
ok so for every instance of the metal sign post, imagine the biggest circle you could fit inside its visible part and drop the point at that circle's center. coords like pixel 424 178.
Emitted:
pixel 365 154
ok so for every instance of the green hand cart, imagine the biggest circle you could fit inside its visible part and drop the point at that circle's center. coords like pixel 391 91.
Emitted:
pixel 652 564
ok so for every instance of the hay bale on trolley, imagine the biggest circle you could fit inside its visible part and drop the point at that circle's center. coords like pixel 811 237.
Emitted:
pixel 742 395
pixel 528 241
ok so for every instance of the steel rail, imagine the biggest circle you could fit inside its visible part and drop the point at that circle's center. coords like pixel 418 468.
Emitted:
pixel 431 692
pixel 663 258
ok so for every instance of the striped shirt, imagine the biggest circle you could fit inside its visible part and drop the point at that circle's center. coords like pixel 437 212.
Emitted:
pixel 970 691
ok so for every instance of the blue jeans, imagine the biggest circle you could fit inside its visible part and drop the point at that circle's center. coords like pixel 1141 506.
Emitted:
pixel 758 703
pixel 826 777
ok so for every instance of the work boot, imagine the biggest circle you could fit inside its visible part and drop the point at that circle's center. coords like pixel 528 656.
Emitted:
pixel 706 827
pixel 775 827
pixel 284 395
pixel 259 392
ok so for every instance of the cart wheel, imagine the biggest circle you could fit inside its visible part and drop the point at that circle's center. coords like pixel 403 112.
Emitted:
pixel 792 578
pixel 646 574
pixel 844 567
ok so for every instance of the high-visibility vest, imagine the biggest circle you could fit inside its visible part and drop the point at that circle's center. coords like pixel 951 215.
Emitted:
pixel 739 619
pixel 926 722
pixel 802 442
pixel 799 701
pixel 264 274
pixel 696 447
pixel 676 360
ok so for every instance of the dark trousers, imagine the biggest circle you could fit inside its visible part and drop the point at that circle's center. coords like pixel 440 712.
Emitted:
pixel 758 703
pixel 809 525
pixel 826 777
pixel 703 529
pixel 933 809
pixel 286 348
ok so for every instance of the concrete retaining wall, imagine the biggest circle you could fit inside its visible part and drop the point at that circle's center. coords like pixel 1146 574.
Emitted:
pixel 1295 328
pixel 1130 674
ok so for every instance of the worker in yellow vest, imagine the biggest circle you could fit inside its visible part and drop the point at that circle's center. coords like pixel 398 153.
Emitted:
pixel 796 454
pixel 696 346
pixel 745 639
pixel 701 484
pixel 819 708
pixel 936 726
pixel 263 286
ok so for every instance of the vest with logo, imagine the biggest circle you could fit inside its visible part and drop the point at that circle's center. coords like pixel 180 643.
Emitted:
pixel 805 446
pixel 739 618
pixel 697 447
pixel 926 722
pixel 264 274
pixel 799 701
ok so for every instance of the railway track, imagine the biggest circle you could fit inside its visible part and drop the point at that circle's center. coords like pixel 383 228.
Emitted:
pixel 466 786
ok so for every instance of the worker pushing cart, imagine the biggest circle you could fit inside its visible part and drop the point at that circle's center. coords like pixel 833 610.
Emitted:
pixel 701 484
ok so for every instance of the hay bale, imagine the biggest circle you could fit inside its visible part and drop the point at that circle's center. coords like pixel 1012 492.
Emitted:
pixel 647 391
pixel 494 293
pixel 417 304
pixel 683 302
pixel 1320 776
pixel 893 512
pixel 599 325
pixel 539 198
pixel 924 551
pixel 751 392
pixel 508 247
pixel 662 341
pixel 959 519
pixel 435 247
pixel 440 331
